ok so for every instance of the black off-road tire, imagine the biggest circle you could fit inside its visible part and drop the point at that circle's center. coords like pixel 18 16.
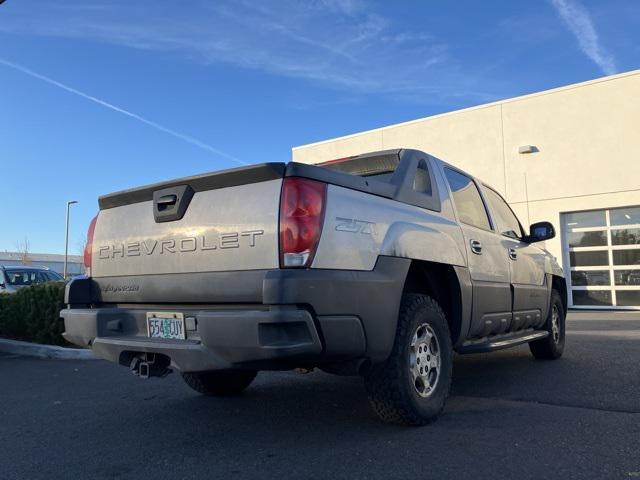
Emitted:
pixel 220 382
pixel 552 346
pixel 390 385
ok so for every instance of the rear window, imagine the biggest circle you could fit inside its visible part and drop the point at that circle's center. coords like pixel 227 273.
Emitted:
pixel 378 167
pixel 381 177
pixel 403 175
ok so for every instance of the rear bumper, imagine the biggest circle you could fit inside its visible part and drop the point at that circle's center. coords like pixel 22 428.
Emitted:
pixel 216 339
pixel 305 317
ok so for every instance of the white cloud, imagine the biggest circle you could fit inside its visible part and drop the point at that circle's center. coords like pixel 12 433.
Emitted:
pixel 578 20
pixel 338 44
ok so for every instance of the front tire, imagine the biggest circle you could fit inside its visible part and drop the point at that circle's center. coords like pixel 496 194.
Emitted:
pixel 220 382
pixel 552 346
pixel 412 385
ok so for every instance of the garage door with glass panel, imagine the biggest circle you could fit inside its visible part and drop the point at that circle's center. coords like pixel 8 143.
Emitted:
pixel 602 253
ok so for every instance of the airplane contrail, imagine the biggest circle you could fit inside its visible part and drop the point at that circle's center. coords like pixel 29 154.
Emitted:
pixel 157 126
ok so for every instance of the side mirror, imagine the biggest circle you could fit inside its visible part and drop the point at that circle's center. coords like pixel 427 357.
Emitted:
pixel 2 286
pixel 540 231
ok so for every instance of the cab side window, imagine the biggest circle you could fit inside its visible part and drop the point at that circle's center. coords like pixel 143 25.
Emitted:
pixel 506 221
pixel 467 199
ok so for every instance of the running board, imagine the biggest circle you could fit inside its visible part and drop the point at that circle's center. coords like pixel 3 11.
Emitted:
pixel 499 342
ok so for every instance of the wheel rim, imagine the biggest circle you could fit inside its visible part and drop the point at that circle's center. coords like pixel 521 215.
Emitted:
pixel 555 324
pixel 424 360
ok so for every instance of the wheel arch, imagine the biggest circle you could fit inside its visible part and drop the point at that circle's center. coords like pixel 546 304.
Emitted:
pixel 560 284
pixel 448 285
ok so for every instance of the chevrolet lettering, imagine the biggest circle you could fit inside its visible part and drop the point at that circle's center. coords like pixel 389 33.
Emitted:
pixel 180 245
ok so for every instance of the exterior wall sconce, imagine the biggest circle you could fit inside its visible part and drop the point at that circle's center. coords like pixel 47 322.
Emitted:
pixel 528 149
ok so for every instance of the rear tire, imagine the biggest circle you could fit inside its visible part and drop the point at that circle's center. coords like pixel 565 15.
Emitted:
pixel 552 346
pixel 412 385
pixel 219 382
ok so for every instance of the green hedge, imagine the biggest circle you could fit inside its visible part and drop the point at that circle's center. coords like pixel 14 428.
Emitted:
pixel 33 314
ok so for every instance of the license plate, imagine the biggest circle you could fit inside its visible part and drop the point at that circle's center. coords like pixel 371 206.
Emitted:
pixel 165 325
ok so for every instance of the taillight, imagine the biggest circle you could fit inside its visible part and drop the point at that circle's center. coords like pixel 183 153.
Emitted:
pixel 302 205
pixel 88 248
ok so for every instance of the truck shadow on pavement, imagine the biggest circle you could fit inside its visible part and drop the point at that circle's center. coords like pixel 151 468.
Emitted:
pixel 298 403
pixel 98 419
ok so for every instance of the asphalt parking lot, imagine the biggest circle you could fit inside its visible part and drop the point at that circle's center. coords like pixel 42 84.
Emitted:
pixel 508 417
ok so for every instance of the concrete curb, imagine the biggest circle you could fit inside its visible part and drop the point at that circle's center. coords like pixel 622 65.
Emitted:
pixel 37 350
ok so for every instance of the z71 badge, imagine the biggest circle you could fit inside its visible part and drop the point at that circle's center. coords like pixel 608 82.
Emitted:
pixel 353 225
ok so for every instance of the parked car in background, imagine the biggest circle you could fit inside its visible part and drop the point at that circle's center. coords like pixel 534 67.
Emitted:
pixel 14 278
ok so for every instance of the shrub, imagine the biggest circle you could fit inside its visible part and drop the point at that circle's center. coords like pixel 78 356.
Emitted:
pixel 33 314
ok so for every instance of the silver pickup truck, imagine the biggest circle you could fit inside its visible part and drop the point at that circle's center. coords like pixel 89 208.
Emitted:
pixel 380 265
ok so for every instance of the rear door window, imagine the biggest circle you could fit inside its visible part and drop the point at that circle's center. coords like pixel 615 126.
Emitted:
pixel 54 276
pixel 506 221
pixel 467 200
pixel 43 277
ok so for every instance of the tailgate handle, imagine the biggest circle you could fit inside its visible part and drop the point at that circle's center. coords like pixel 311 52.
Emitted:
pixel 167 201
pixel 171 203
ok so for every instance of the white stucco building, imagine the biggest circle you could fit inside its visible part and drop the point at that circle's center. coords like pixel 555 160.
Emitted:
pixel 570 155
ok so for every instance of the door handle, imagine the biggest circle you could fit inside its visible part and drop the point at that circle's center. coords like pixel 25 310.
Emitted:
pixel 168 200
pixel 165 202
pixel 476 247
pixel 513 255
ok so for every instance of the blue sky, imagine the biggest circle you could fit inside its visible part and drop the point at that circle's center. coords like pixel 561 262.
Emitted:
pixel 98 96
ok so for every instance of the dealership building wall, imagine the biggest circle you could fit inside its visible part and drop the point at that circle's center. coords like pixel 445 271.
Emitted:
pixel 586 158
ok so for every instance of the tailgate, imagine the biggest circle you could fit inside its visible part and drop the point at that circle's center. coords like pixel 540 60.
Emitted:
pixel 225 221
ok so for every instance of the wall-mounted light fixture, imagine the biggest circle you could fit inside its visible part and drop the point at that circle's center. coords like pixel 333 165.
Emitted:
pixel 528 149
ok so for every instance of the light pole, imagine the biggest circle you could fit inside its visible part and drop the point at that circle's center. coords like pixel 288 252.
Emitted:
pixel 66 237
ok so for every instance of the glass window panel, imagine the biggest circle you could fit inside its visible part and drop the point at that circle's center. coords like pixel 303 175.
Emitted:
pixel 20 277
pixel 627 236
pixel 55 276
pixel 589 259
pixel 588 239
pixel 596 277
pixel 627 277
pixel 381 177
pixel 591 297
pixel 466 197
pixel 628 298
pixel 586 219
pixel 42 277
pixel 624 216
pixel 626 257
pixel 506 220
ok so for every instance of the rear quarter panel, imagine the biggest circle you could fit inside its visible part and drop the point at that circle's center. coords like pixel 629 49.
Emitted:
pixel 359 227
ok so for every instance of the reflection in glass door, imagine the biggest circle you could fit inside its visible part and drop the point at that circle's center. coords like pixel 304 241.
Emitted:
pixel 602 248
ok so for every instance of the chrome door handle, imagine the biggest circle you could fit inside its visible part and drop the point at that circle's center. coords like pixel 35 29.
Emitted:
pixel 513 255
pixel 476 247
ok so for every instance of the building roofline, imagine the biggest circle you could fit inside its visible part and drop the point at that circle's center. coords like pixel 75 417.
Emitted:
pixel 40 257
pixel 478 107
